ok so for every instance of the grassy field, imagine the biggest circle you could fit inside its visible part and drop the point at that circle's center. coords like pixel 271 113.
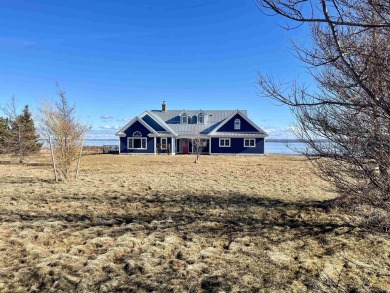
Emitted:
pixel 165 224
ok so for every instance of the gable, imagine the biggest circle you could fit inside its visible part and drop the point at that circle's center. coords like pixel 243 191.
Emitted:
pixel 152 123
pixel 229 125
pixel 137 126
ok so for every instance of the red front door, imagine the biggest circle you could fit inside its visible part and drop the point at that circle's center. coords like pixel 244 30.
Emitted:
pixel 185 146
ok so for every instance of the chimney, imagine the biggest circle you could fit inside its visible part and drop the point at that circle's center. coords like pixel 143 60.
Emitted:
pixel 164 107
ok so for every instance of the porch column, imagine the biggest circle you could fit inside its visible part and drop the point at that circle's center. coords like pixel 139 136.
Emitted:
pixel 154 140
pixel 173 146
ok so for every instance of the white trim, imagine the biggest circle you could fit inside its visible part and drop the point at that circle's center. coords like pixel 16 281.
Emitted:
pixel 161 122
pixel 250 146
pixel 161 143
pixel 264 145
pixel 237 124
pixel 203 115
pixel 225 139
pixel 173 146
pixel 262 132
pixel 153 117
pixel 121 131
pixel 242 135
pixel 154 145
pixel 140 138
pixel 209 145
pixel 161 135
pixel 181 118
pixel 192 136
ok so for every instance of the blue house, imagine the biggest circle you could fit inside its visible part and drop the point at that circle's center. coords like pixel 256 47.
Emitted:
pixel 218 132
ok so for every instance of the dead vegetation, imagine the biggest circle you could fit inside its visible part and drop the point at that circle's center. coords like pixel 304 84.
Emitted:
pixel 164 224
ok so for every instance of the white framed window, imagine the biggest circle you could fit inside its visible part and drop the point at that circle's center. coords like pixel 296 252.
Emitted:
pixel 136 143
pixel 184 118
pixel 237 124
pixel 164 142
pixel 224 142
pixel 194 119
pixel 249 142
pixel 200 118
pixel 189 119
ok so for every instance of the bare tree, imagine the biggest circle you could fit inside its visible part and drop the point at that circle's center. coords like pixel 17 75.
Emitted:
pixel 198 146
pixel 346 121
pixel 20 138
pixel 60 123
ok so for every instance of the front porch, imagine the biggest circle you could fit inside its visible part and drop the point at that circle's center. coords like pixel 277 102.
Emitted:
pixel 183 145
pixel 190 145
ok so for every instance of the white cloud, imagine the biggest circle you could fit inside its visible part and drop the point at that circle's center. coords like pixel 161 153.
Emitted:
pixel 125 120
pixel 110 127
pixel 276 132
pixel 101 134
pixel 106 117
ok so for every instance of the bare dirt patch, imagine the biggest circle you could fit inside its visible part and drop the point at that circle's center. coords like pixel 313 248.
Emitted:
pixel 165 224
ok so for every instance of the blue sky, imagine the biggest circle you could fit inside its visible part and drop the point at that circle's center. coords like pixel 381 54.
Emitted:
pixel 116 59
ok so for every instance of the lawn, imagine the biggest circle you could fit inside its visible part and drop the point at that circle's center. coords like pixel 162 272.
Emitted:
pixel 165 224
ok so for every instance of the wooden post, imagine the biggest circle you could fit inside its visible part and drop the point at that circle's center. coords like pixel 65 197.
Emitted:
pixel 78 161
pixel 52 160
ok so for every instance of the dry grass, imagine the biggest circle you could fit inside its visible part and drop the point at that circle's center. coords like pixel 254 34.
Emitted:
pixel 165 224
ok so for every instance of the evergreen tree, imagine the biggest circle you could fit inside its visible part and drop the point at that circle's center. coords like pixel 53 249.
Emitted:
pixel 24 140
pixel 4 135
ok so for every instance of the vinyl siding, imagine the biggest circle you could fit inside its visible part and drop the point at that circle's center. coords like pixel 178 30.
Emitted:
pixel 237 146
pixel 137 126
pixel 245 126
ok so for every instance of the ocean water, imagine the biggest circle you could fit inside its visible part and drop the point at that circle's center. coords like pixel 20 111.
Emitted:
pixel 283 148
pixel 289 148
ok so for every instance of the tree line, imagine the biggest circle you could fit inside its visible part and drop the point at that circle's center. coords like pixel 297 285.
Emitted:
pixel 58 125
pixel 18 134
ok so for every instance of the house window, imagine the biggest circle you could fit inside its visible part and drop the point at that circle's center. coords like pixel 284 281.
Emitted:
pixel 184 118
pixel 249 142
pixel 224 142
pixel 137 133
pixel 136 143
pixel 189 119
pixel 164 143
pixel 201 118
pixel 237 124
pixel 194 119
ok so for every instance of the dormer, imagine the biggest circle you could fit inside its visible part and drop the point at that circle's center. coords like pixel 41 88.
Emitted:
pixel 201 117
pixel 184 118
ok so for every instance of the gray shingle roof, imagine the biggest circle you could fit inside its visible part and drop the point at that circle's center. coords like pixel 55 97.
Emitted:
pixel 237 134
pixel 212 119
